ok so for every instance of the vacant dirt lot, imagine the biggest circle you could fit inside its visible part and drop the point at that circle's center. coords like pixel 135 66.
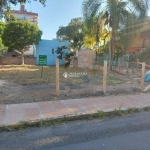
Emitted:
pixel 19 84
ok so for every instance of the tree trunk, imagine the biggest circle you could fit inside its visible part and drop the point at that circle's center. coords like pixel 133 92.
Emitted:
pixel 110 50
pixel 112 47
pixel 22 57
pixel 113 42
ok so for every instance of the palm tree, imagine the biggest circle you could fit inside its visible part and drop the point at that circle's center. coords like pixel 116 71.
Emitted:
pixel 119 15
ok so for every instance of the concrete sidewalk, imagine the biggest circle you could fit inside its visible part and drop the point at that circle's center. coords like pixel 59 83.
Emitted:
pixel 14 113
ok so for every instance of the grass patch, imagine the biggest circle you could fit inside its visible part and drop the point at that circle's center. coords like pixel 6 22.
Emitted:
pixel 100 114
pixel 111 80
pixel 31 74
pixel 147 108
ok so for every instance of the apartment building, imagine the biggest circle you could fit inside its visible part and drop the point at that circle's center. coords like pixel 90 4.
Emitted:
pixel 23 14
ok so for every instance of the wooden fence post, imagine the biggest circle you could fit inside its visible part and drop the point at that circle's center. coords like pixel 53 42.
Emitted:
pixel 57 77
pixel 104 76
pixel 142 76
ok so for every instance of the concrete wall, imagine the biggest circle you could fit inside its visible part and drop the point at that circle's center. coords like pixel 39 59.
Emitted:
pixel 16 61
pixel 86 58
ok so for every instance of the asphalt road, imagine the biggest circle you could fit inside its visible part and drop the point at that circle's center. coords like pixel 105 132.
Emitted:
pixel 121 133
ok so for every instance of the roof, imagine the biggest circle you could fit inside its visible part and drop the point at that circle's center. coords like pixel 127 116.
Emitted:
pixel 134 49
pixel 23 12
pixel 10 54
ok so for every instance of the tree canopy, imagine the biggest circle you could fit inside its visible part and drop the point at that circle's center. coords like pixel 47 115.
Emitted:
pixel 2 47
pixel 20 34
pixel 118 16
pixel 73 33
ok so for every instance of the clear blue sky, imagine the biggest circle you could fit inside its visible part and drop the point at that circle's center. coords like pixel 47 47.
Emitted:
pixel 56 13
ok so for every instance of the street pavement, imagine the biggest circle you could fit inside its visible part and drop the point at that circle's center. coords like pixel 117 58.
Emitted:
pixel 131 132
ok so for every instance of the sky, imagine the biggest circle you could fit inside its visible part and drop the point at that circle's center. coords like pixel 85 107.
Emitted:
pixel 56 13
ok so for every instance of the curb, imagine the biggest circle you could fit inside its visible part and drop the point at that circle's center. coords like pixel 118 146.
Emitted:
pixel 61 119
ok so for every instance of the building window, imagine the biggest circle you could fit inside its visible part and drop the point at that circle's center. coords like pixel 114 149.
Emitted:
pixel 52 51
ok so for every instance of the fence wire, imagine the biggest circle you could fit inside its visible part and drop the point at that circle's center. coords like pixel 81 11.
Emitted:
pixel 128 78
pixel 27 83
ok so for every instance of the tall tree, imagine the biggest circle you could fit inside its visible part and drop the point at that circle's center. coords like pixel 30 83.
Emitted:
pixel 97 37
pixel 6 4
pixel 73 33
pixel 20 35
pixel 117 14
pixel 2 47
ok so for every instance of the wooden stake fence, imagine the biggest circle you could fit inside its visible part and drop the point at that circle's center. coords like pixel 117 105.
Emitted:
pixel 57 77
pixel 104 77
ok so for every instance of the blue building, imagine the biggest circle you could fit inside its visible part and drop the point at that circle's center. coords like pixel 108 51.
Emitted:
pixel 48 48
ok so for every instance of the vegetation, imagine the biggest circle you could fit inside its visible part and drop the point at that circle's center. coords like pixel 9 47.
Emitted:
pixel 9 17
pixel 31 75
pixel 2 47
pixel 120 17
pixel 20 35
pixel 144 56
pixel 98 34
pixel 67 56
pixel 74 33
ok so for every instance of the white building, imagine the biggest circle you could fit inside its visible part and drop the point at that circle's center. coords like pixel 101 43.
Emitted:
pixel 23 14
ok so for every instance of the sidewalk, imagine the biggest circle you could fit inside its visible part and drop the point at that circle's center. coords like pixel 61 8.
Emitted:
pixel 14 113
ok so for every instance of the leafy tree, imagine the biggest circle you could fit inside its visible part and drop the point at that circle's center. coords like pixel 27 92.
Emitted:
pixel 67 56
pixel 145 56
pixel 2 47
pixel 6 4
pixel 89 41
pixel 60 51
pixel 118 15
pixel 2 26
pixel 19 35
pixel 9 17
pixel 73 33
pixel 100 39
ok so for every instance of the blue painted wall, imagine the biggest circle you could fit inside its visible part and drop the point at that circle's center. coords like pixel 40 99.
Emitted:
pixel 46 47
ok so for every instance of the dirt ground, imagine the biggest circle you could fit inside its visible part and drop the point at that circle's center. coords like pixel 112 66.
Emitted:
pixel 22 84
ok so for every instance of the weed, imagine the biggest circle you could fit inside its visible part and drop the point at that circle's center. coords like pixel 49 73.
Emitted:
pixel 100 114
pixel 147 108
pixel 90 117
pixel 22 125
pixel 131 110
pixel 120 112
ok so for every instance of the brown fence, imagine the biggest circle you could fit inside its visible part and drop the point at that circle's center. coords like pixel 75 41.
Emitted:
pixel 17 61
